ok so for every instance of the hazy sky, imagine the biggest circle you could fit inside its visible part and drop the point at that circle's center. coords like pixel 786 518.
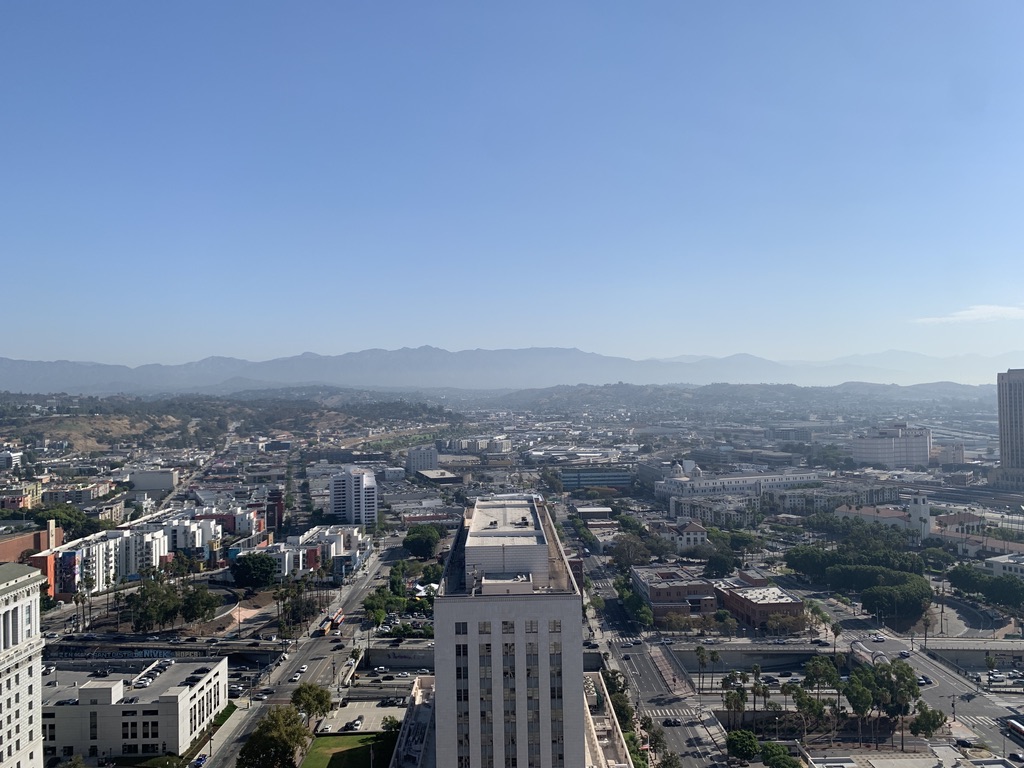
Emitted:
pixel 255 179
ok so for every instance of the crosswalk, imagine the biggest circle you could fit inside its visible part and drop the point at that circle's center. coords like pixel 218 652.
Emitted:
pixel 680 712
pixel 977 721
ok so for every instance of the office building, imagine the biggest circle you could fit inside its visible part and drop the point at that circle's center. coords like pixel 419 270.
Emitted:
pixel 354 496
pixel 1010 391
pixel 419 458
pixel 164 708
pixel 21 658
pixel 898 446
pixel 509 656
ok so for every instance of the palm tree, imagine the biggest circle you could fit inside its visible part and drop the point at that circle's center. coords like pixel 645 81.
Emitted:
pixel 714 657
pixel 837 630
pixel 702 662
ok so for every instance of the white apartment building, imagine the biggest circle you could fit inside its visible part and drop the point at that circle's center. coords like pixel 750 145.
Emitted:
pixel 1004 565
pixel 21 661
pixel 419 458
pixel 509 654
pixel 188 533
pixel 354 496
pixel 746 484
pixel 897 446
pixel 88 564
pixel 138 550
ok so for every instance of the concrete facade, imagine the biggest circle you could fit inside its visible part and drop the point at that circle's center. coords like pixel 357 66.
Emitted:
pixel 509 657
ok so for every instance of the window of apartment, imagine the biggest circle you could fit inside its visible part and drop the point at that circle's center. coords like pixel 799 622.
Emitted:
pixel 461 628
pixel 555 625
pixel 483 627
pixel 531 626
pixel 508 627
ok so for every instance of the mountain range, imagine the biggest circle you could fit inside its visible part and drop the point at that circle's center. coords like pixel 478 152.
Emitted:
pixel 496 369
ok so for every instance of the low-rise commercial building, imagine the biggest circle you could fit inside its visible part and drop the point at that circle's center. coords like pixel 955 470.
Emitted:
pixel 122 715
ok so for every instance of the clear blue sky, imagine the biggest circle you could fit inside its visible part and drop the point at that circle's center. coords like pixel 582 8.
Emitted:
pixel 796 180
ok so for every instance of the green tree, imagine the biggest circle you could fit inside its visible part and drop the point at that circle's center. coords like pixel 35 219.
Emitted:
pixel 198 603
pixel 719 564
pixel 255 571
pixel 313 699
pixel 927 720
pixel 275 741
pixel 422 540
pixel 742 744
pixel 390 724
pixel 75 761
pixel 628 550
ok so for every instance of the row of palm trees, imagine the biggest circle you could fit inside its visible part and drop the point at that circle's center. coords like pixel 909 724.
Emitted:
pixel 301 598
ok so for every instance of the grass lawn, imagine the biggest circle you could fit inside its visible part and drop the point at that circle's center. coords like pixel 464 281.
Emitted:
pixel 351 751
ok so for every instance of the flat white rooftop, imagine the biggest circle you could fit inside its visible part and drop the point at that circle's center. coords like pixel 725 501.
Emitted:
pixel 509 522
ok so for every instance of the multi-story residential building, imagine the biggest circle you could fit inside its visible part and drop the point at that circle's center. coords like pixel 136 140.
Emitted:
pixel 509 660
pixel 21 657
pixel 77 494
pixel 28 494
pixel 342 548
pixel 87 565
pixel 419 458
pixel 808 501
pixel 731 511
pixel 138 550
pixel 1010 391
pixel 897 446
pixel 354 496
pixel 914 517
pixel 747 484
pixel 107 717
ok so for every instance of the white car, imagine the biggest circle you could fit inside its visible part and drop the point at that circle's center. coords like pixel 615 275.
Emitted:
pixel 350 663
pixel 325 728
pixel 303 668
pixel 296 677
pixel 403 674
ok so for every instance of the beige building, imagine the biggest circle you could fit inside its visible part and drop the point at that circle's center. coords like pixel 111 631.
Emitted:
pixel 105 717
pixel 509 654
pixel 21 655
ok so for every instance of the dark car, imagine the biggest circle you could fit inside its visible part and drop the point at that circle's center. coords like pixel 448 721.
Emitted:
pixel 1016 757
pixel 785 674
pixel 964 743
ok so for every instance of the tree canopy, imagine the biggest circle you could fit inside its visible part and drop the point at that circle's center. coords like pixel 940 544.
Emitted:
pixel 255 571
pixel 275 741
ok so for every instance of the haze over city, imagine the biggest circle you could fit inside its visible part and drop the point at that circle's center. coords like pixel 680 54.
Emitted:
pixel 795 181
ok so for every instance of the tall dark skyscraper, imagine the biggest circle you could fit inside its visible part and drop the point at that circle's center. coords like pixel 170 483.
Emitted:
pixel 1010 475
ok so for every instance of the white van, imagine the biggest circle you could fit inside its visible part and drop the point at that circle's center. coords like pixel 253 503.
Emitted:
pixel 997 678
